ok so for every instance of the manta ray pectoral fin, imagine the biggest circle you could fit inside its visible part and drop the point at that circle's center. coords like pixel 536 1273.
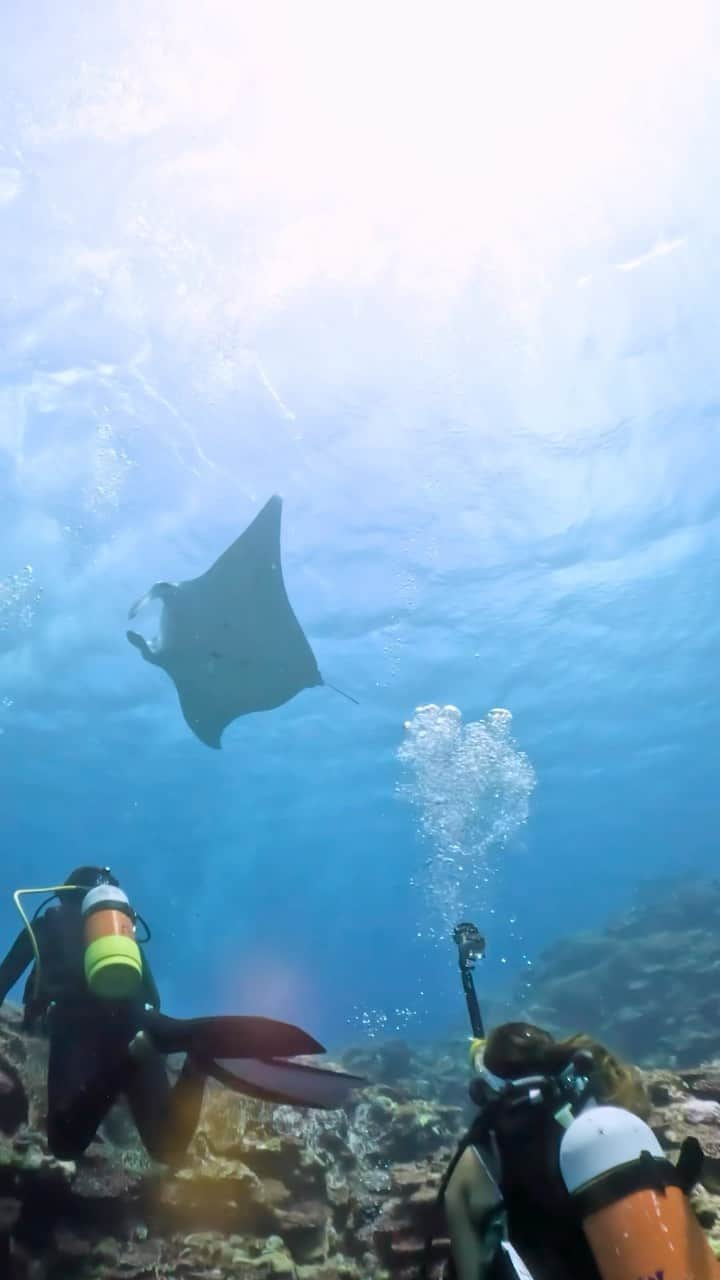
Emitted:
pixel 205 719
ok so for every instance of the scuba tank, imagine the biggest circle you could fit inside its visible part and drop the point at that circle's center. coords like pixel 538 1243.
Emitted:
pixel 632 1201
pixel 112 960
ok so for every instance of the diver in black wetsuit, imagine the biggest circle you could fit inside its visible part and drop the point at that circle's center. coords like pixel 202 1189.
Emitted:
pixel 96 1051
pixel 102 1046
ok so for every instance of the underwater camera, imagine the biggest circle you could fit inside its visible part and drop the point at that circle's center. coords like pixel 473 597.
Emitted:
pixel 470 944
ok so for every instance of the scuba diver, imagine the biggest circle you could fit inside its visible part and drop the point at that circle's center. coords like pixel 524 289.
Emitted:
pixel 559 1177
pixel 91 990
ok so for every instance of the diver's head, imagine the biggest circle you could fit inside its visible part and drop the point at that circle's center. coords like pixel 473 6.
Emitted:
pixel 518 1049
pixel 82 879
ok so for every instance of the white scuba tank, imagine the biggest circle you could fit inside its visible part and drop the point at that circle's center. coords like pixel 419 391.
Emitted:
pixel 635 1215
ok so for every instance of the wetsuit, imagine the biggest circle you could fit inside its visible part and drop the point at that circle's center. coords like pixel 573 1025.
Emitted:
pixel 541 1220
pixel 90 1063
pixel 518 1155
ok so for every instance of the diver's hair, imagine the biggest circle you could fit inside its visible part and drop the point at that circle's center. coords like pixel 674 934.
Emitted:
pixel 520 1048
pixel 622 1084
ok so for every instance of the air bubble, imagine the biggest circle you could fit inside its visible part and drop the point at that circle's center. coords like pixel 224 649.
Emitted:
pixel 19 598
pixel 470 786
pixel 110 468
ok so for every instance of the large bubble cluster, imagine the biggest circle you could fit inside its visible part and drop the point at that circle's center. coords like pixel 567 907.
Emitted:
pixel 470 786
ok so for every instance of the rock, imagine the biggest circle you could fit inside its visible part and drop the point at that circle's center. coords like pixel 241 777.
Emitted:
pixel 410 1220
pixel 701 1112
pixel 304 1228
pixel 704 1084
pixel 648 984
pixel 395 1061
pixel 14 1107
pixel 218 1195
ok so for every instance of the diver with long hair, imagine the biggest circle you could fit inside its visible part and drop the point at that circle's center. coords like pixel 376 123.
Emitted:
pixel 506 1183
pixel 559 1177
pixel 91 990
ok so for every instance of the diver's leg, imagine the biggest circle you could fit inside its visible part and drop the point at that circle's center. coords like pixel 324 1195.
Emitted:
pixel 81 1089
pixel 166 1115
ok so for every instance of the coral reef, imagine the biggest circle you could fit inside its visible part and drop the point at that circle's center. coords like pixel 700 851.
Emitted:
pixel 648 984
pixel 266 1192
pixel 269 1192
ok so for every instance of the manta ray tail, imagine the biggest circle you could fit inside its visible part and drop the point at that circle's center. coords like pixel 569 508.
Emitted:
pixel 342 692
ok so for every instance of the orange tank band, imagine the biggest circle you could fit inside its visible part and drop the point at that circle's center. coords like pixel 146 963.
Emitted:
pixel 107 923
pixel 649 1234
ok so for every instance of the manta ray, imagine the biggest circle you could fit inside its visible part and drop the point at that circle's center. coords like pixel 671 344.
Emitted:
pixel 229 640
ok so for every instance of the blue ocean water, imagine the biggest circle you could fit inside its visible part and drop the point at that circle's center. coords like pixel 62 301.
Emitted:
pixel 448 283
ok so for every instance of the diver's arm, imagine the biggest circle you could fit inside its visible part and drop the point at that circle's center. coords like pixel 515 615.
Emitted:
pixel 15 963
pixel 475 1217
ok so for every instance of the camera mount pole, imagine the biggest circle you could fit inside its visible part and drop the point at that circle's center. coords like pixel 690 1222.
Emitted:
pixel 471 948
